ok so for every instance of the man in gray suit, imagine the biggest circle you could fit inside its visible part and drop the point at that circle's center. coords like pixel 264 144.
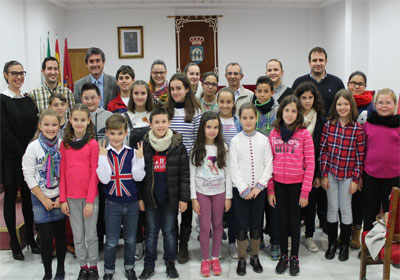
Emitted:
pixel 95 60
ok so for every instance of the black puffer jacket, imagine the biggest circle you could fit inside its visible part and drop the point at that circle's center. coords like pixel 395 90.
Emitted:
pixel 178 176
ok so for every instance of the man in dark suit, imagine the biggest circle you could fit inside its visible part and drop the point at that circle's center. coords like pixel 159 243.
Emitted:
pixel 95 60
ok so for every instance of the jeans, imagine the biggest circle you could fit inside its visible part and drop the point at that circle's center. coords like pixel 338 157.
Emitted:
pixel 117 214
pixel 339 197
pixel 158 218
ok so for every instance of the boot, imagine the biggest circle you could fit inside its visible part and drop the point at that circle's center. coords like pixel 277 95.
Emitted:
pixel 344 247
pixel 355 242
pixel 183 254
pixel 254 260
pixel 332 240
pixel 242 248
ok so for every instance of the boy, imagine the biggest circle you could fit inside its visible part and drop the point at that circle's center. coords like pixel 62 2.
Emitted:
pixel 125 79
pixel 165 187
pixel 118 168
pixel 58 103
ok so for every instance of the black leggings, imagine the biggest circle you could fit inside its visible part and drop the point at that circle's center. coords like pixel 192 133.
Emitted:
pixel 48 231
pixel 287 201
pixel 10 198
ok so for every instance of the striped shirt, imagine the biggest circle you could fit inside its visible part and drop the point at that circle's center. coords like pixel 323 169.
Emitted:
pixel 342 150
pixel 187 130
pixel 229 129
pixel 42 94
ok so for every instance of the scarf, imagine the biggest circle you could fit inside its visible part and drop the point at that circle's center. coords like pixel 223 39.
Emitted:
pixel 160 94
pixel 310 120
pixel 286 133
pixel 50 169
pixel 79 143
pixel 363 99
pixel 388 121
pixel 264 107
pixel 160 144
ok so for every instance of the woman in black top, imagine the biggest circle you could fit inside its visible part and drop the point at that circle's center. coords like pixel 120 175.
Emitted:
pixel 18 126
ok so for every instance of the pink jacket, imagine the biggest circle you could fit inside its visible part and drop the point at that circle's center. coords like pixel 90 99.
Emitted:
pixel 78 177
pixel 293 161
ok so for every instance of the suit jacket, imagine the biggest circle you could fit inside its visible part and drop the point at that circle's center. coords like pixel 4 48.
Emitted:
pixel 245 95
pixel 110 89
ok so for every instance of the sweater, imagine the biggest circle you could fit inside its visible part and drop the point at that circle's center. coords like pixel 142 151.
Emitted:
pixel 293 160
pixel 78 178
pixel 250 160
pixel 209 179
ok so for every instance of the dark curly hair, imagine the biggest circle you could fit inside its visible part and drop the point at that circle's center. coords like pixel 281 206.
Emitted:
pixel 318 105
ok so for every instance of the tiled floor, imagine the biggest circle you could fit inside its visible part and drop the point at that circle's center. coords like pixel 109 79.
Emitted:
pixel 313 266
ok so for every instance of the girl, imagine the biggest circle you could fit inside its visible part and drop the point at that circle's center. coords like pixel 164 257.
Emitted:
pixel 139 107
pixel 274 71
pixel 250 160
pixel 382 161
pixel 58 103
pixel 313 111
pixel 192 71
pixel 208 100
pixel 18 125
pixel 341 158
pixel 293 151
pixel 210 188
pixel 78 187
pixel 41 167
pixel 185 113
pixel 158 82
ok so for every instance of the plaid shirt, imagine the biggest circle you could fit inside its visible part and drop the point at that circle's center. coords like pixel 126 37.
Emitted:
pixel 342 150
pixel 42 95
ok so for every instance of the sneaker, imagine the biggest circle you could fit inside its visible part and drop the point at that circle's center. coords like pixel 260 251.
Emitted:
pixel 205 268
pixel 83 274
pixel 146 273
pixel 294 268
pixel 216 267
pixel 275 252
pixel 93 273
pixel 172 273
pixel 233 251
pixel 311 245
pixel 139 252
pixel 108 276
pixel 130 274
pixel 282 264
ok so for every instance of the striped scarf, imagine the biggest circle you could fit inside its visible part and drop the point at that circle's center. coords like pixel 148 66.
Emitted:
pixel 50 169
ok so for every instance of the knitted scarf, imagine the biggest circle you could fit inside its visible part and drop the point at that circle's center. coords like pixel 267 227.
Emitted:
pixel 50 169
pixel 286 133
pixel 77 144
pixel 264 107
pixel 310 120
pixel 363 99
pixel 160 144
pixel 160 95
pixel 388 121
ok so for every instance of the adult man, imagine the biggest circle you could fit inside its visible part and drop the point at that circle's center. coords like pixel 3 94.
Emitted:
pixel 327 84
pixel 95 60
pixel 234 74
pixel 50 86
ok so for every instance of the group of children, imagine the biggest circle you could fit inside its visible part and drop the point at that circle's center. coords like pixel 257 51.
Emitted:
pixel 185 157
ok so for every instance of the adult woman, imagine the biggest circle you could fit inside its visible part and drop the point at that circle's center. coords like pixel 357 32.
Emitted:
pixel 314 120
pixel 275 72
pixel 18 126
pixel 192 71
pixel 208 99
pixel 158 82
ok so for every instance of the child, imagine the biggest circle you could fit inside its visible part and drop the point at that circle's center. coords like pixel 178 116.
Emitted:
pixel 265 104
pixel 192 71
pixel 250 160
pixel 226 106
pixel 210 187
pixel 41 167
pixel 125 78
pixel 293 151
pixel 313 111
pixel 165 188
pixel 58 103
pixel 158 82
pixel 341 161
pixel 382 161
pixel 185 113
pixel 208 99
pixel 118 169
pixel 78 188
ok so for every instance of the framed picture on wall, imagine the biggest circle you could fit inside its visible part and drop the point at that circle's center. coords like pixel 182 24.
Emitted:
pixel 130 42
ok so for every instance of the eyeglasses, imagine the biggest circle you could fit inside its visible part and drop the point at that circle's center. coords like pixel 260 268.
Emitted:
pixel 15 74
pixel 355 84
pixel 382 103
pixel 158 73
pixel 210 84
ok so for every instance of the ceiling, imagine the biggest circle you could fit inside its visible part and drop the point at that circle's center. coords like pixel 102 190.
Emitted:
pixel 101 4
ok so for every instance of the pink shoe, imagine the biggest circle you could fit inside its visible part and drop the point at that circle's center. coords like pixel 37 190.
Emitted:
pixel 216 267
pixel 205 268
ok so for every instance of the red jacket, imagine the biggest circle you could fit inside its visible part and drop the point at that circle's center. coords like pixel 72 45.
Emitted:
pixel 117 105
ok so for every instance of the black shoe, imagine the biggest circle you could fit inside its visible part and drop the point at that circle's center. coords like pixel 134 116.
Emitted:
pixel 172 273
pixel 146 273
pixel 47 277
pixel 93 274
pixel 108 276
pixel 83 274
pixel 255 263
pixel 130 274
pixel 282 264
pixel 33 247
pixel 16 251
pixel 294 267
pixel 241 267
pixel 330 253
pixel 60 276
pixel 344 253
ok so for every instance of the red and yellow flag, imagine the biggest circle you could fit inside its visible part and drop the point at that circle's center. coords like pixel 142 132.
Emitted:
pixel 68 82
pixel 57 55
